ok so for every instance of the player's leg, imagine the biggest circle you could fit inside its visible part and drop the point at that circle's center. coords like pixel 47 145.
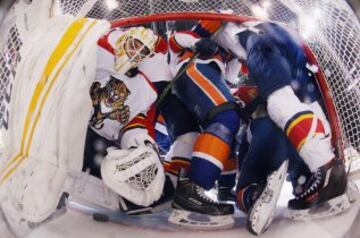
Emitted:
pixel 303 126
pixel 227 180
pixel 263 171
pixel 204 92
pixel 183 129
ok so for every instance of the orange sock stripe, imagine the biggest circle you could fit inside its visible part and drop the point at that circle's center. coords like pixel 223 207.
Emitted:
pixel 185 56
pixel 206 85
pixel 175 165
pixel 230 165
pixel 212 146
pixel 240 200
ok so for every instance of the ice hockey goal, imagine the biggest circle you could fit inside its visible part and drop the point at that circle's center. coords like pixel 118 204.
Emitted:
pixel 329 27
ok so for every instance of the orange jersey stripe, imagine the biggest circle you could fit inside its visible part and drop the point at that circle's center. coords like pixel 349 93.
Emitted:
pixel 206 85
pixel 185 56
pixel 210 26
pixel 213 146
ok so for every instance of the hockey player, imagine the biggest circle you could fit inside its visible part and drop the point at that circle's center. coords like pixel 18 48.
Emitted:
pixel 205 94
pixel 125 88
pixel 275 60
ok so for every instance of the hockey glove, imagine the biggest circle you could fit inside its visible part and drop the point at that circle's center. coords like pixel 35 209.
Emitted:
pixel 206 47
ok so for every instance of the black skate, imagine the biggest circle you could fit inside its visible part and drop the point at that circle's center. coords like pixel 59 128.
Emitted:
pixel 192 208
pixel 262 211
pixel 324 195
pixel 226 194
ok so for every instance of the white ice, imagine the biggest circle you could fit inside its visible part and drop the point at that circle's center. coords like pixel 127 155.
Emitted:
pixel 75 224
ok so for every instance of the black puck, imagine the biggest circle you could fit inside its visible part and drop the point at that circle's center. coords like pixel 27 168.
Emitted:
pixel 100 217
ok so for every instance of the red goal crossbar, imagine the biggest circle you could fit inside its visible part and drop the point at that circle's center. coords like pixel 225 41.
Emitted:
pixel 320 77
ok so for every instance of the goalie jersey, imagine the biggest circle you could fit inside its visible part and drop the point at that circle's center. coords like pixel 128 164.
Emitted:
pixel 122 102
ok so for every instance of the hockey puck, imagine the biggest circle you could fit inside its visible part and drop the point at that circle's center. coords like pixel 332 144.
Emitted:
pixel 100 217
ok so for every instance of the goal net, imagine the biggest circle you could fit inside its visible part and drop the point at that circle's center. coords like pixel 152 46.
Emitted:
pixel 329 27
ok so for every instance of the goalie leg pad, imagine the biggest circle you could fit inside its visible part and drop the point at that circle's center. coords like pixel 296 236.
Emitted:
pixel 197 221
pixel 135 174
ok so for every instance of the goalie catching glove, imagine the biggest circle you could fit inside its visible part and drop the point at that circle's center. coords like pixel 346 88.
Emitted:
pixel 136 173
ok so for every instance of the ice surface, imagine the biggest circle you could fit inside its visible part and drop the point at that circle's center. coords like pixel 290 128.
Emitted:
pixel 75 224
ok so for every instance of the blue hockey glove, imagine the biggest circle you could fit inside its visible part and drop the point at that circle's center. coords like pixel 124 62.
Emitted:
pixel 206 47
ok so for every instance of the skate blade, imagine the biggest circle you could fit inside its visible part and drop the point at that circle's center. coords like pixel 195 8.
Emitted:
pixel 263 211
pixel 352 191
pixel 327 209
pixel 197 221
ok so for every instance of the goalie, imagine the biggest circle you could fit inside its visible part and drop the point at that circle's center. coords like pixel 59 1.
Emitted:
pixel 84 70
pixel 122 95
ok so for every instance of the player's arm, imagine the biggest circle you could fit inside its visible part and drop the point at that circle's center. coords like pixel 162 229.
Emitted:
pixel 183 40
pixel 206 28
pixel 191 41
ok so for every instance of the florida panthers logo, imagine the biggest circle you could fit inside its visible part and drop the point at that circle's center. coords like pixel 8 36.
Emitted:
pixel 109 102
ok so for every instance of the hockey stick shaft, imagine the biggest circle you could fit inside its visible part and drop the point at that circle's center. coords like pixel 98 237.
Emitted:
pixel 182 70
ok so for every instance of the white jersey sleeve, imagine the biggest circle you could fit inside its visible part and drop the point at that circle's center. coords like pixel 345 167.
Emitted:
pixel 156 68
pixel 228 38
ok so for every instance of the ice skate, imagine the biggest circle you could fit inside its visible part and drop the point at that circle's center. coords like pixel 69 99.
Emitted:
pixel 226 194
pixel 192 208
pixel 324 195
pixel 262 211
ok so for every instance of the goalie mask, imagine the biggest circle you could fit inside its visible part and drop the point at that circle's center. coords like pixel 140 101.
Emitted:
pixel 135 174
pixel 136 44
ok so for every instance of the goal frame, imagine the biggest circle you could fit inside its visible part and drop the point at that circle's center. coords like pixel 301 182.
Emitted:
pixel 328 101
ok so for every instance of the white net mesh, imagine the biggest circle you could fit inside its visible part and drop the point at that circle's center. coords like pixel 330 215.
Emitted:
pixel 329 26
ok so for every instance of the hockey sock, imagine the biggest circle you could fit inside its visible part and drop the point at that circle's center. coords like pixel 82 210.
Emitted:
pixel 303 128
pixel 212 149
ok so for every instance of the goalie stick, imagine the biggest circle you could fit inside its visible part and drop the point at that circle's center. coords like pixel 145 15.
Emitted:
pixel 168 87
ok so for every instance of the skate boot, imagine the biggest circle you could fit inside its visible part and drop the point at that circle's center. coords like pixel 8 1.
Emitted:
pixel 192 208
pixel 226 194
pixel 324 195
pixel 259 200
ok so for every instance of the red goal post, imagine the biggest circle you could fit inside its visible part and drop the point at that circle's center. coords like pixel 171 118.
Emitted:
pixel 320 77
pixel 331 28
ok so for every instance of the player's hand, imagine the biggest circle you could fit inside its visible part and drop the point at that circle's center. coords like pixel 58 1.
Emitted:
pixel 206 47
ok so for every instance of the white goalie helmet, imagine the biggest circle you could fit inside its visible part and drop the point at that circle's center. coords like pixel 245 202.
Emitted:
pixel 135 174
pixel 132 47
